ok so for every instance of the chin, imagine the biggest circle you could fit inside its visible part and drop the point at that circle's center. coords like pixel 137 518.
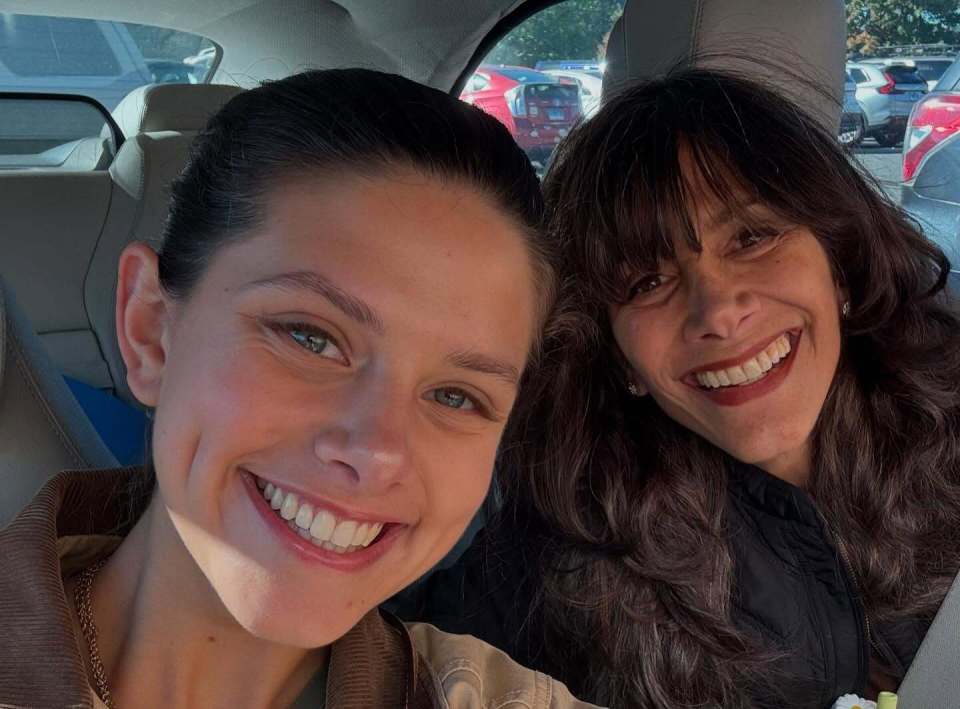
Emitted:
pixel 296 627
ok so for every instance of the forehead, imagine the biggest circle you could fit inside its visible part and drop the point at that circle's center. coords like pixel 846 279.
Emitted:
pixel 417 249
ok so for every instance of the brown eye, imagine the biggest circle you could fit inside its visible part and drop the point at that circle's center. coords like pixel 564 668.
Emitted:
pixel 646 284
pixel 751 238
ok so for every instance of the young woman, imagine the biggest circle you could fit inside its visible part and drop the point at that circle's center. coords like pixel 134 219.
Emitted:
pixel 736 480
pixel 331 340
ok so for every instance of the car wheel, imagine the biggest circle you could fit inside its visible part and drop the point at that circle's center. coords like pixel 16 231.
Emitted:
pixel 889 140
pixel 852 137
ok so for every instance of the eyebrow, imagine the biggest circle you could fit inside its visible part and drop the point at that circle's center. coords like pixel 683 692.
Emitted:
pixel 485 365
pixel 349 305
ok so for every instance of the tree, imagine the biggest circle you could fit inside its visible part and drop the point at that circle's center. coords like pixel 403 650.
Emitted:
pixel 574 29
pixel 878 23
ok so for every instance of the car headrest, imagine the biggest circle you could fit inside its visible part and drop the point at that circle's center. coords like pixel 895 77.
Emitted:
pixel 171 107
pixel 43 430
pixel 807 38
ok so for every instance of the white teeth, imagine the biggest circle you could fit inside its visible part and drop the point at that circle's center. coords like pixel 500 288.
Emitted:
pixel 362 531
pixel 736 375
pixel 750 371
pixel 343 534
pixel 323 525
pixel 372 534
pixel 305 517
pixel 290 506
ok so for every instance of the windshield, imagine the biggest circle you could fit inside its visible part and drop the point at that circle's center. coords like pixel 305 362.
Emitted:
pixel 102 60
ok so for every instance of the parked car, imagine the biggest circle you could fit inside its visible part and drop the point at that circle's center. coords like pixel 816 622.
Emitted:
pixel 887 93
pixel 931 163
pixel 590 83
pixel 852 120
pixel 930 68
pixel 537 108
pixel 932 194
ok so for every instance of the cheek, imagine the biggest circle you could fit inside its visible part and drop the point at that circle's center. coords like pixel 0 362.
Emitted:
pixel 458 480
pixel 641 342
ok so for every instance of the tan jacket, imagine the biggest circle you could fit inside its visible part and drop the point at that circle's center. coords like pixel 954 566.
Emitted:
pixel 380 663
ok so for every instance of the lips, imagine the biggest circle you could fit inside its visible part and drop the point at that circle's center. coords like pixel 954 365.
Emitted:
pixel 749 376
pixel 336 551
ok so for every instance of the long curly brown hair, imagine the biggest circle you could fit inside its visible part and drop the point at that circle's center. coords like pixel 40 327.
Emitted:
pixel 624 507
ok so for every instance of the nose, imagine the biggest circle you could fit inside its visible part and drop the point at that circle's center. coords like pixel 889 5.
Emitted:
pixel 366 445
pixel 719 305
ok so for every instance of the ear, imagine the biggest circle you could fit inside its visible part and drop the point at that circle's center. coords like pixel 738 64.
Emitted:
pixel 143 318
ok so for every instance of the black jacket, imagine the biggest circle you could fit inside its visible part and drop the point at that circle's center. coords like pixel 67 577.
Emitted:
pixel 792 587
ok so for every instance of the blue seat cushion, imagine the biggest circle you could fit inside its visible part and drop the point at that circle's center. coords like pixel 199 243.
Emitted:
pixel 121 426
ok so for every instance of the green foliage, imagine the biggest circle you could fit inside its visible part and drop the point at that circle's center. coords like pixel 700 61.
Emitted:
pixel 872 24
pixel 574 29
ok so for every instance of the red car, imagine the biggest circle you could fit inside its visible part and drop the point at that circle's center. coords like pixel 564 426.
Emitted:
pixel 537 108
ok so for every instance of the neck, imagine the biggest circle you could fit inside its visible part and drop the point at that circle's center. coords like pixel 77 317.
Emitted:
pixel 791 466
pixel 166 639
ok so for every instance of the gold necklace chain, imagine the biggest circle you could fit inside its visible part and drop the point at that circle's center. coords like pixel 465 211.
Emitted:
pixel 89 630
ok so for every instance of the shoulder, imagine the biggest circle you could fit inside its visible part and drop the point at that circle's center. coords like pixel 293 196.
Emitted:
pixel 472 673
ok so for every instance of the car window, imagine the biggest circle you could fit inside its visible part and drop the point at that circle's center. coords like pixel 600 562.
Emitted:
pixel 903 74
pixel 908 143
pixel 932 70
pixel 858 76
pixel 98 59
pixel 53 46
pixel 55 134
pixel 538 108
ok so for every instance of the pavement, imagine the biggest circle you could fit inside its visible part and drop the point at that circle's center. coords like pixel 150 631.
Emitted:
pixel 882 163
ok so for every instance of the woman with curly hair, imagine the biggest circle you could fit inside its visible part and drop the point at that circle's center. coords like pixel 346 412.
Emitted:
pixel 735 480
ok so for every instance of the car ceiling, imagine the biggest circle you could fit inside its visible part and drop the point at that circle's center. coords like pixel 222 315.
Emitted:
pixel 430 41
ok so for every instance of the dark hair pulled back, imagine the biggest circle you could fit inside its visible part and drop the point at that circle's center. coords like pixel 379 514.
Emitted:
pixel 625 507
pixel 326 123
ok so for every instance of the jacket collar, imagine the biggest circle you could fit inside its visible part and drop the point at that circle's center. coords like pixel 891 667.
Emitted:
pixel 375 664
pixel 771 495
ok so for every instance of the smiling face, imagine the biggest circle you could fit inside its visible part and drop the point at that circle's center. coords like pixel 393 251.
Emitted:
pixel 739 341
pixel 354 361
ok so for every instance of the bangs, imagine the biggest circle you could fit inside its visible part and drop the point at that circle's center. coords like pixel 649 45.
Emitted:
pixel 625 188
pixel 646 211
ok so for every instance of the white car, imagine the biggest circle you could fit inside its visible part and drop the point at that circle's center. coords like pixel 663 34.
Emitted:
pixel 590 82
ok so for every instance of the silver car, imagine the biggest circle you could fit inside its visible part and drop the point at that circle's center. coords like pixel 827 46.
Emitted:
pixel 852 120
pixel 887 93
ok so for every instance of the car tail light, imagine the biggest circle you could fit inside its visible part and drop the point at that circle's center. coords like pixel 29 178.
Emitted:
pixel 932 120
pixel 516 101
pixel 889 86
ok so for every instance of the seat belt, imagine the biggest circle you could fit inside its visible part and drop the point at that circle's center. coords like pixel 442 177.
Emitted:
pixel 933 680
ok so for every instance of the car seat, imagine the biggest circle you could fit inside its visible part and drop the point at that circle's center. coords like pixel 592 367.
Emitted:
pixel 805 38
pixel 42 428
